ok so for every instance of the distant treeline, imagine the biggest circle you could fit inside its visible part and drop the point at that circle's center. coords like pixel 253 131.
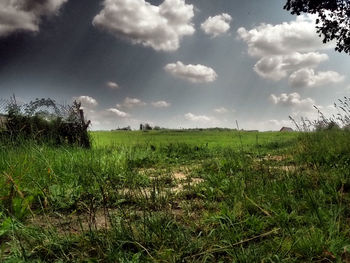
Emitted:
pixel 147 127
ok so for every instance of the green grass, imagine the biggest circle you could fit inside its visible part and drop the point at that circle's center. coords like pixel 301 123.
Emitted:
pixel 169 196
pixel 211 139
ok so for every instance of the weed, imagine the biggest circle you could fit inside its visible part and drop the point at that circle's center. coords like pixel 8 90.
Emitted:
pixel 162 196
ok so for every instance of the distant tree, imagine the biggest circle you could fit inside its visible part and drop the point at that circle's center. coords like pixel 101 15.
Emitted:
pixel 333 22
pixel 147 127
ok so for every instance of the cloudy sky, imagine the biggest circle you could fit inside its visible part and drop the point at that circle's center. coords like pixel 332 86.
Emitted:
pixel 171 63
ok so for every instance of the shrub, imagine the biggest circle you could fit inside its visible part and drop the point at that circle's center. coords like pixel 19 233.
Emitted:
pixel 43 120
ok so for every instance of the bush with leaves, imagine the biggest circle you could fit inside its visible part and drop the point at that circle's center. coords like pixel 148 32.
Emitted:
pixel 43 120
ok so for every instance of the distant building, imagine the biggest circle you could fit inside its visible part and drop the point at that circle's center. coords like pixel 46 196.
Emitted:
pixel 286 129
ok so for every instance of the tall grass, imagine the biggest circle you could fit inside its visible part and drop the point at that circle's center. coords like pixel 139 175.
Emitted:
pixel 280 199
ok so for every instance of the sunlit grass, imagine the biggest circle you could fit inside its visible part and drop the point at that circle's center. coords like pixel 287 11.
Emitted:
pixel 199 196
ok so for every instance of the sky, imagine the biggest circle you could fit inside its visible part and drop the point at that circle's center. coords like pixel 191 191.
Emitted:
pixel 171 63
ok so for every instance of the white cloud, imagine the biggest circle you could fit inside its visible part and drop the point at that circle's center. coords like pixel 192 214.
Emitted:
pixel 345 90
pixel 278 67
pixel 131 103
pixel 160 27
pixel 119 113
pixel 295 36
pixel 293 100
pixel 112 85
pixel 86 101
pixel 193 73
pixel 262 125
pixel 198 118
pixel 25 15
pixel 306 77
pixel 109 118
pixel 267 125
pixel 288 49
pixel 279 123
pixel 161 104
pixel 217 25
pixel 221 110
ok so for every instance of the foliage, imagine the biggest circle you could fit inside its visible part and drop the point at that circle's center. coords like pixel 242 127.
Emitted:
pixel 43 120
pixel 333 21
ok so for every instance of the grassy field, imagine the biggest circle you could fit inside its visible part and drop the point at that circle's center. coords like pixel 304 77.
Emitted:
pixel 178 196
pixel 216 138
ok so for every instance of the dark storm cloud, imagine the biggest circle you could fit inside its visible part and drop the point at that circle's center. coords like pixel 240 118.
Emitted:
pixel 25 15
pixel 32 5
pixel 123 79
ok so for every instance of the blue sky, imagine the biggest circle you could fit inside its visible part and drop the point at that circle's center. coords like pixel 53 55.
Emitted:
pixel 172 63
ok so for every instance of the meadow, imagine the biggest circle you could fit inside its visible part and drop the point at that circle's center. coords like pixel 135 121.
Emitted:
pixel 178 196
